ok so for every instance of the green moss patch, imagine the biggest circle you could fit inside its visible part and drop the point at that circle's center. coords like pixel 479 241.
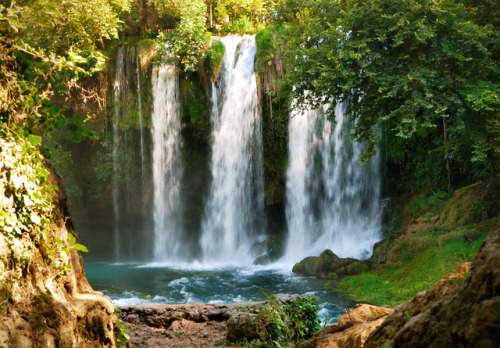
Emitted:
pixel 216 57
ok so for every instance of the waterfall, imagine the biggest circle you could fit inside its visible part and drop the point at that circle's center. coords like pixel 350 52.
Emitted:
pixel 118 86
pixel 167 172
pixel 139 102
pixel 332 200
pixel 235 207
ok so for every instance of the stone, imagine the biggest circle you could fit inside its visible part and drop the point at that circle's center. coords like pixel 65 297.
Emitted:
pixel 321 266
pixel 328 254
pixel 262 260
pixel 242 326
pixel 351 330
pixel 207 325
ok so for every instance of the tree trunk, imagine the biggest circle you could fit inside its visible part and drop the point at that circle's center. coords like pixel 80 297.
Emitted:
pixel 211 21
pixel 445 136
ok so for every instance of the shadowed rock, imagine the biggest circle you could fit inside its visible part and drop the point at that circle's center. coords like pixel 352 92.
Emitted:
pixel 461 310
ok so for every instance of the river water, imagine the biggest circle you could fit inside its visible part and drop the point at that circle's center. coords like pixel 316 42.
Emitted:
pixel 131 284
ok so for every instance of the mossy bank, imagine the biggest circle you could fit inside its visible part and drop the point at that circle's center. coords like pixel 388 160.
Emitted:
pixel 427 238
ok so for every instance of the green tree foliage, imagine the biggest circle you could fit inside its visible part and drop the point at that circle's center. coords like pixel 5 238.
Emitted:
pixel 256 10
pixel 187 44
pixel 45 47
pixel 420 70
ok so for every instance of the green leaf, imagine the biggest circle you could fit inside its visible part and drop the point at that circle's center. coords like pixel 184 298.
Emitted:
pixel 80 247
pixel 35 219
pixel 71 238
pixel 35 140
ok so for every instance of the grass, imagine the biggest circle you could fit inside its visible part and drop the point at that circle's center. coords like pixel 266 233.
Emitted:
pixel 242 25
pixel 444 231
pixel 417 269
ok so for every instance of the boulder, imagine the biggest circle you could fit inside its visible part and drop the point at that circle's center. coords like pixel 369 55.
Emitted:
pixel 330 266
pixel 242 326
pixel 269 250
pixel 351 330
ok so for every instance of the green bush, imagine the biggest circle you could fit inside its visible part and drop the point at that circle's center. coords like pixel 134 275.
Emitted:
pixel 264 41
pixel 285 323
pixel 216 57
pixel 242 25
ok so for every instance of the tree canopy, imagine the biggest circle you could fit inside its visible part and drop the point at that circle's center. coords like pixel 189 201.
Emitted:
pixel 45 47
pixel 415 69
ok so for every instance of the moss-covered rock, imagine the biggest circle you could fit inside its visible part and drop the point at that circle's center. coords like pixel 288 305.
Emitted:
pixel 330 266
pixel 268 250
pixel 431 233
pixel 461 309
pixel 282 320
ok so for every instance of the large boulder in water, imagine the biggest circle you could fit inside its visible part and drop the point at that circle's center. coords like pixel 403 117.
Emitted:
pixel 329 265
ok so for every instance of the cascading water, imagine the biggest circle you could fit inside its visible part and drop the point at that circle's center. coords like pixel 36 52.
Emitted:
pixel 235 208
pixel 139 101
pixel 129 158
pixel 167 171
pixel 330 196
pixel 332 200
pixel 118 86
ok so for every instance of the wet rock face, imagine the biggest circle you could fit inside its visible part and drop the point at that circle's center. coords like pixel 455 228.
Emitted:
pixel 461 310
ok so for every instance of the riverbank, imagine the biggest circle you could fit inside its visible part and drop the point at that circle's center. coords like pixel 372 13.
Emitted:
pixel 427 239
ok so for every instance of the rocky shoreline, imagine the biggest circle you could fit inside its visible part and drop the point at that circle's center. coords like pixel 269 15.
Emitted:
pixel 198 324
pixel 156 325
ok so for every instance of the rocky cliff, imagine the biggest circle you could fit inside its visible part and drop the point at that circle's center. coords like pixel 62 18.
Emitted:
pixel 461 310
pixel 45 299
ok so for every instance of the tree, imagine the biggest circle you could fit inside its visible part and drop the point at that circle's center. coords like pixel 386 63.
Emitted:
pixel 185 45
pixel 413 67
pixel 45 48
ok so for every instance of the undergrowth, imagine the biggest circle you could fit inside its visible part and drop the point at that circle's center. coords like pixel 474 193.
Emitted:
pixel 286 324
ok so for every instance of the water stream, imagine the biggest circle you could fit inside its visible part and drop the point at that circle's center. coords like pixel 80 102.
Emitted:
pixel 234 213
pixel 333 201
pixel 167 171
pixel 118 86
